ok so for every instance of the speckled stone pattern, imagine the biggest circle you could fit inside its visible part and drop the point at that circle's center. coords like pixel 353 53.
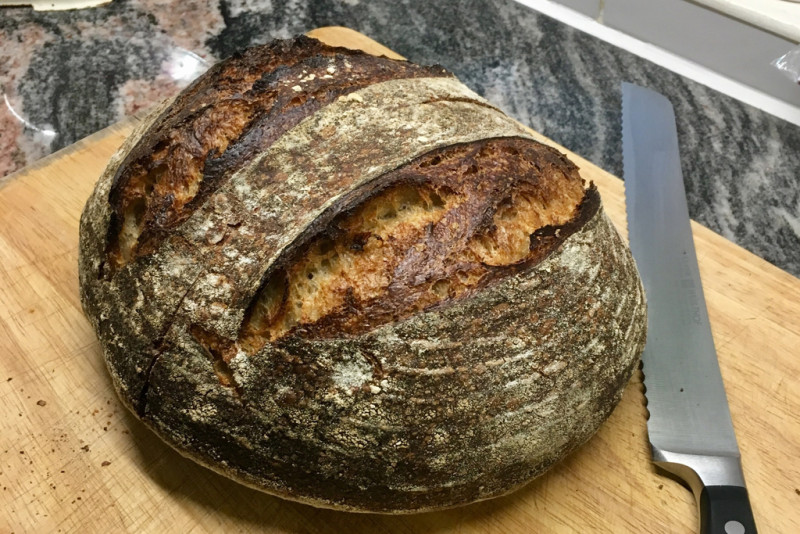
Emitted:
pixel 67 74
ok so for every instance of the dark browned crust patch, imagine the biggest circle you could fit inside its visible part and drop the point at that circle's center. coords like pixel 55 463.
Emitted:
pixel 233 112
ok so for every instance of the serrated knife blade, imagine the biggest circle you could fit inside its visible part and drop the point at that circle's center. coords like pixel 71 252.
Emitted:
pixel 689 426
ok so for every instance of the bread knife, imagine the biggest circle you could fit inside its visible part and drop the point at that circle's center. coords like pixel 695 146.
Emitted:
pixel 689 425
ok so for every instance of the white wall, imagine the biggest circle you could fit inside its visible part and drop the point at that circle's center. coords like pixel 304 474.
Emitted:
pixel 709 38
pixel 726 45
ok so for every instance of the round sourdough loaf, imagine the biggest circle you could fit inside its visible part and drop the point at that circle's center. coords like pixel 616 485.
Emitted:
pixel 352 282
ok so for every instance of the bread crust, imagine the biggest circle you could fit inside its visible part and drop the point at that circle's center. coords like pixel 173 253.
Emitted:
pixel 459 402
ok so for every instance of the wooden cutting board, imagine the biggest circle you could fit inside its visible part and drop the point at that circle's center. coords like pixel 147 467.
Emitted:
pixel 74 460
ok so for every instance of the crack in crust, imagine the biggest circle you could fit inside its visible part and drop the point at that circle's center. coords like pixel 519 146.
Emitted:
pixel 231 114
pixel 157 350
pixel 461 99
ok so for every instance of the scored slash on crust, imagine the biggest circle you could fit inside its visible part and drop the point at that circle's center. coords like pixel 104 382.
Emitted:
pixel 189 154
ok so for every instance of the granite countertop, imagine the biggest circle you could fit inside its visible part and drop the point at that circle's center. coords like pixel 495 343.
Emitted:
pixel 67 74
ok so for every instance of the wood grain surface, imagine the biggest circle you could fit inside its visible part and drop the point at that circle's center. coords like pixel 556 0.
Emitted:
pixel 74 460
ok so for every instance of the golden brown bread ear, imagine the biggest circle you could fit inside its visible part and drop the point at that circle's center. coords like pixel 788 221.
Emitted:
pixel 352 282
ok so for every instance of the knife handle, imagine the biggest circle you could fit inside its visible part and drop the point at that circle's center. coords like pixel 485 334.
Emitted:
pixel 726 510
